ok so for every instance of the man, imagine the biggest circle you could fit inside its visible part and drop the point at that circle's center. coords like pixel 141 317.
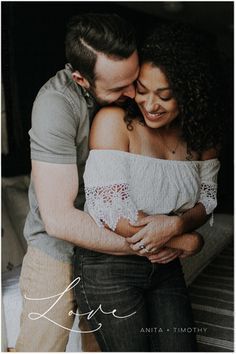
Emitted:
pixel 101 50
pixel 103 66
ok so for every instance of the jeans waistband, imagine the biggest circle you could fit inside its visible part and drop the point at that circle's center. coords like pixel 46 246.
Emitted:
pixel 79 251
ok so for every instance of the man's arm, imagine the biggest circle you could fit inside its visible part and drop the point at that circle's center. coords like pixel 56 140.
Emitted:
pixel 56 187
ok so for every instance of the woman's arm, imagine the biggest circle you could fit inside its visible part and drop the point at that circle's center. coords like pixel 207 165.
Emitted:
pixel 190 243
pixel 106 174
pixel 159 229
pixel 125 229
pixel 110 132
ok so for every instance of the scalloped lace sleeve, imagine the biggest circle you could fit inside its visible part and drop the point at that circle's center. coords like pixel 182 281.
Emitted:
pixel 208 194
pixel 106 180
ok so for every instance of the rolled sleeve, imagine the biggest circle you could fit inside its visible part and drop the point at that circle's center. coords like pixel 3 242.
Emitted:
pixel 53 132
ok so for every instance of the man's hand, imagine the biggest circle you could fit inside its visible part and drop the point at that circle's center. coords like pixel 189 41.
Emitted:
pixel 157 231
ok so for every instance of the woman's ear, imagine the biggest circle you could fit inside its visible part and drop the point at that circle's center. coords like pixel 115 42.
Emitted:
pixel 80 80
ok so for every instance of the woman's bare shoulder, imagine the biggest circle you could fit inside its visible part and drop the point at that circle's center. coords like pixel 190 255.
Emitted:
pixel 109 131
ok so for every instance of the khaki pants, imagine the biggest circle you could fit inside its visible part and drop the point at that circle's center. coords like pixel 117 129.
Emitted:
pixel 42 276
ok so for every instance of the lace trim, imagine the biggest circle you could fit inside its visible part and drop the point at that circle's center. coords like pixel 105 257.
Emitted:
pixel 108 204
pixel 208 197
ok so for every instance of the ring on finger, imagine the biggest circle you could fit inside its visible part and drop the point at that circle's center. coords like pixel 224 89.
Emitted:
pixel 142 247
pixel 146 250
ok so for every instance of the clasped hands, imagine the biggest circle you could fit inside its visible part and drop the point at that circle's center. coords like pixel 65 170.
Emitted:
pixel 151 241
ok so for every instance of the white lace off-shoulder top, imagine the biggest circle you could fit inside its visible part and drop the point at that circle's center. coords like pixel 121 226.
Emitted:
pixel 119 184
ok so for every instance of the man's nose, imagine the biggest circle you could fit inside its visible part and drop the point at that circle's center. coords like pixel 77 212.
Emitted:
pixel 130 91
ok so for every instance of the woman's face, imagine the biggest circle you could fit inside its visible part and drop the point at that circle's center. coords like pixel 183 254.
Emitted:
pixel 154 97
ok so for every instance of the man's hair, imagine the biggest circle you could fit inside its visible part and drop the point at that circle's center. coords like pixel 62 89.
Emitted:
pixel 89 34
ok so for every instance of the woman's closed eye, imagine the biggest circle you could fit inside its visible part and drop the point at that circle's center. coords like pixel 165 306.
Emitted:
pixel 163 98
pixel 168 98
pixel 165 94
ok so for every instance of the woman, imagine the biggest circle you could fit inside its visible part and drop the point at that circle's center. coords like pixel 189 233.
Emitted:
pixel 154 161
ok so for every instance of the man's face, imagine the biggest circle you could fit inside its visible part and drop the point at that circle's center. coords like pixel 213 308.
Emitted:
pixel 114 79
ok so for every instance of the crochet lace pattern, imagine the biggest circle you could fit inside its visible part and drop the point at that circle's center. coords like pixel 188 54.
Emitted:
pixel 208 197
pixel 110 203
pixel 119 184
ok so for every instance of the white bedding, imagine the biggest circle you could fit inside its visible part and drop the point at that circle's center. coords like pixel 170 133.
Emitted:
pixel 12 304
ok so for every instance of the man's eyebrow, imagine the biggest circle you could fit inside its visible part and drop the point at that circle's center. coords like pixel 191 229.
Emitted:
pixel 158 90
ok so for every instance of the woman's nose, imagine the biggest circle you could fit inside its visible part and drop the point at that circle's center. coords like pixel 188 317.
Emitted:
pixel 151 105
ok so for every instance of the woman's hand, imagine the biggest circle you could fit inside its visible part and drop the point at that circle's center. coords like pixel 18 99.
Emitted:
pixel 165 255
pixel 157 231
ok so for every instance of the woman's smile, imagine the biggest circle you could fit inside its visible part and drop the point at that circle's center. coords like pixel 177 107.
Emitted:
pixel 154 97
pixel 151 115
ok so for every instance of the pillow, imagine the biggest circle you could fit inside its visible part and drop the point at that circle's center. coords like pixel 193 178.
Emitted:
pixel 17 206
pixel 4 331
pixel 12 250
pixel 216 237
pixel 18 181
pixel 12 305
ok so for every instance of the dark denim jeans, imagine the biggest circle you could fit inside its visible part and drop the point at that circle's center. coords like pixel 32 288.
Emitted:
pixel 151 298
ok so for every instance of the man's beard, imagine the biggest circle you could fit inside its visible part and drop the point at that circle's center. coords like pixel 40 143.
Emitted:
pixel 121 102
pixel 98 100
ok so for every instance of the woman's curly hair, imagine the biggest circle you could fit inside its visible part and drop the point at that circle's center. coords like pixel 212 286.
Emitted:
pixel 191 69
